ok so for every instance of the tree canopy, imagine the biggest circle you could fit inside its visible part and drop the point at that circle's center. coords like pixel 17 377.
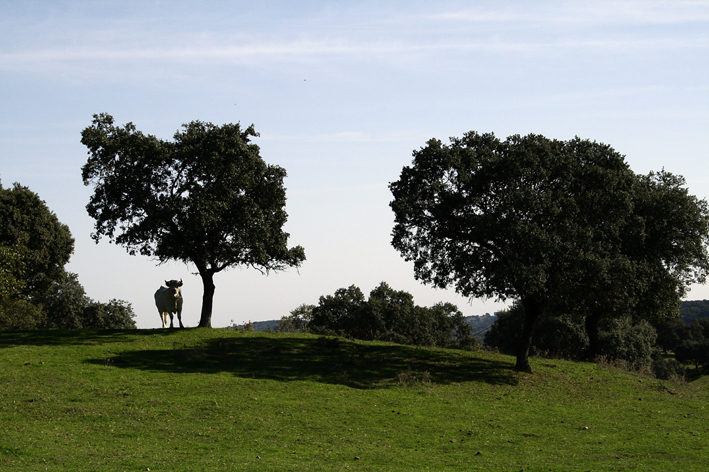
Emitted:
pixel 35 289
pixel 560 226
pixel 34 247
pixel 46 244
pixel 206 198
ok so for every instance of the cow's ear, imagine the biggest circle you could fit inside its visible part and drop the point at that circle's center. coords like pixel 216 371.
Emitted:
pixel 167 283
pixel 180 284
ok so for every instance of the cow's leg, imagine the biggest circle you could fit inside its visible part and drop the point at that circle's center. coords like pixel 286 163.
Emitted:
pixel 163 318
pixel 171 320
pixel 179 318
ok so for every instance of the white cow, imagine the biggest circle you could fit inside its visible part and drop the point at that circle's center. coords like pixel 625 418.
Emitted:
pixel 169 300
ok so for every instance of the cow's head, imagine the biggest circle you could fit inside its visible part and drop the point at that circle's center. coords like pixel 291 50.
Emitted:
pixel 174 286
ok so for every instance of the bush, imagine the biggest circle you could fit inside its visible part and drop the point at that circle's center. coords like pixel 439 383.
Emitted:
pixel 297 321
pixel 621 339
pixel 116 314
pixel 554 336
pixel 388 315
pixel 565 337
pixel 19 314
pixel 666 369
pixel 694 352
pixel 64 303
pixel 340 314
pixel 671 333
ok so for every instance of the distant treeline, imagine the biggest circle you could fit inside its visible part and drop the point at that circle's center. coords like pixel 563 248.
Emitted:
pixel 630 342
pixel 689 310
pixel 694 309
pixel 387 315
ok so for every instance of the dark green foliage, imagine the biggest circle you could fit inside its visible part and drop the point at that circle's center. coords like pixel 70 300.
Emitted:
pixel 68 307
pixel 565 337
pixel 297 321
pixel 632 342
pixel 46 244
pixel 514 219
pixel 116 314
pixel 35 289
pixel 563 227
pixel 699 328
pixel 339 313
pixel 667 242
pixel 17 313
pixel 64 302
pixel 666 369
pixel 671 333
pixel 390 315
pixel 206 199
pixel 554 336
pixel 34 247
pixel 694 352
pixel 692 309
pixel 506 330
pixel 12 280
pixel 694 348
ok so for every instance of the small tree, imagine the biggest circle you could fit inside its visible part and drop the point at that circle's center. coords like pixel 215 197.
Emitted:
pixel 47 244
pixel 207 198
pixel 298 319
pixel 339 313
pixel 116 314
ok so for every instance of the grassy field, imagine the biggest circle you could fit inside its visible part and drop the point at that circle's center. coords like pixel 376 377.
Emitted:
pixel 213 400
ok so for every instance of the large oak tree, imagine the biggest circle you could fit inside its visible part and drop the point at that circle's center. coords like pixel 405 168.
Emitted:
pixel 562 227
pixel 206 198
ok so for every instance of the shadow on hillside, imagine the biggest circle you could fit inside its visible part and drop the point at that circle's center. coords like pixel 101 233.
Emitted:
pixel 328 360
pixel 62 337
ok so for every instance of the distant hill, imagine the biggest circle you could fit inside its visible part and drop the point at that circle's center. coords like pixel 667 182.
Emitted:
pixel 480 324
pixel 693 309
pixel 261 325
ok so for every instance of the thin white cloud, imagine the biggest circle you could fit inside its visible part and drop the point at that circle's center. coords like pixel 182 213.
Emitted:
pixel 574 13
pixel 70 57
pixel 527 29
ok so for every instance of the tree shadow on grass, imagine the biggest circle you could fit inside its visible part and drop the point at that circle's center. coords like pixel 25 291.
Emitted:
pixel 63 337
pixel 328 360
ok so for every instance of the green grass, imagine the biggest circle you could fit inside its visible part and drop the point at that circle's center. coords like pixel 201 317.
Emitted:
pixel 191 400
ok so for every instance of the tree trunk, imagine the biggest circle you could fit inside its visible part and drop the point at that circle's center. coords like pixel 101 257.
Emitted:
pixel 205 319
pixel 591 323
pixel 532 311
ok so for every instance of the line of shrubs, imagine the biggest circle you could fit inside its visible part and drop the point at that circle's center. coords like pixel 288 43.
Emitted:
pixel 387 315
pixel 632 344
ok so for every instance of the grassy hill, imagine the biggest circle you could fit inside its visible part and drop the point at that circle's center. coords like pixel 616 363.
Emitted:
pixel 213 400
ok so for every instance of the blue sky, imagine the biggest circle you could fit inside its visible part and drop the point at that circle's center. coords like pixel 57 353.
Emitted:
pixel 341 93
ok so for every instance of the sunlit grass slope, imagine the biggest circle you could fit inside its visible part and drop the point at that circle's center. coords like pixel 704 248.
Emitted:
pixel 215 400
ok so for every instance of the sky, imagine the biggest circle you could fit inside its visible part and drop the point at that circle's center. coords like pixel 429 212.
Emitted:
pixel 341 93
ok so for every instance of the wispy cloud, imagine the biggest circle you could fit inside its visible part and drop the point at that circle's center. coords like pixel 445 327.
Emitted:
pixel 391 39
pixel 574 13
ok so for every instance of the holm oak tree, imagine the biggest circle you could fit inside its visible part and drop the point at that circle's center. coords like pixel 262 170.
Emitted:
pixel 206 198
pixel 560 226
